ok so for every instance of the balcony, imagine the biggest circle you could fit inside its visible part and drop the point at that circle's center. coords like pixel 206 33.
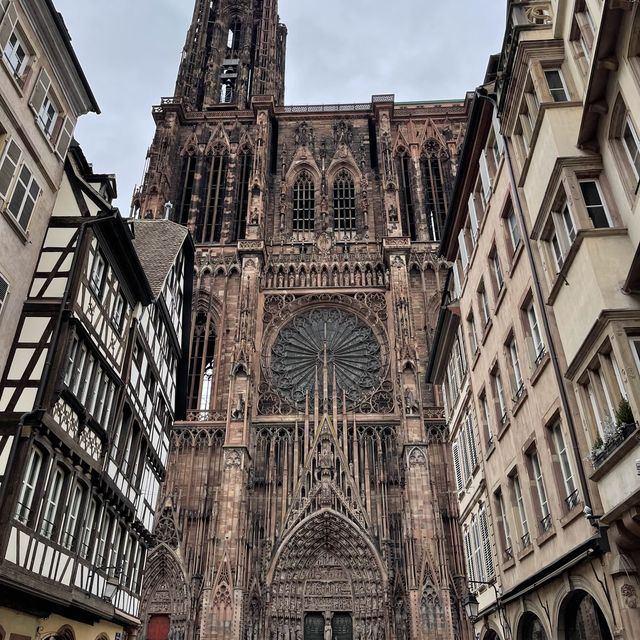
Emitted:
pixel 615 437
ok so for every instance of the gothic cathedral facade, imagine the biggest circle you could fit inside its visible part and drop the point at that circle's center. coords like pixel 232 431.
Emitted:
pixel 307 491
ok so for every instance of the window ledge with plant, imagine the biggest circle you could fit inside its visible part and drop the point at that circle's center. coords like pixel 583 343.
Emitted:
pixel 614 433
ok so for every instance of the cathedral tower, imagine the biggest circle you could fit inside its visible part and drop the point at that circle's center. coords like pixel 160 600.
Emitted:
pixel 307 492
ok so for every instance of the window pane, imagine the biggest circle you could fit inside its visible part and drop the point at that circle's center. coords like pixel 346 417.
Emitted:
pixel 630 139
pixel 594 204
pixel 556 85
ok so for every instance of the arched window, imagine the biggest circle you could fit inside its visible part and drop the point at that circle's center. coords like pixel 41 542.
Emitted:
pixel 209 228
pixel 582 618
pixel 344 202
pixel 186 187
pixel 233 37
pixel 406 198
pixel 202 364
pixel 436 176
pixel 245 162
pixel 531 628
pixel 304 203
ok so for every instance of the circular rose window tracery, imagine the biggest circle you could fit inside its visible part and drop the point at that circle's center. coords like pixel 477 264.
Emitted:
pixel 352 351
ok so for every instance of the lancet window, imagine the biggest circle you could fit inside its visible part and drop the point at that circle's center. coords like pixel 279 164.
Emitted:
pixel 186 187
pixel 436 176
pixel 406 198
pixel 209 228
pixel 304 203
pixel 344 202
pixel 202 363
pixel 245 162
pixel 233 37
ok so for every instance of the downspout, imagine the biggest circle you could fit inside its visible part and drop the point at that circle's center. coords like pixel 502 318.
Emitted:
pixel 564 398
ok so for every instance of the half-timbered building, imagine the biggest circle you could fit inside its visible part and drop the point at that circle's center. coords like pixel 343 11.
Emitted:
pixel 85 404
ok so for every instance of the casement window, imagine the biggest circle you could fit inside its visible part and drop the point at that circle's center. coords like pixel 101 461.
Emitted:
pixel 483 303
pixel 114 549
pixel 28 489
pixel 496 271
pixel 485 175
pixel 514 230
pixel 468 552
pixel 137 568
pixel 103 531
pixel 344 202
pixel 4 292
pixel 473 335
pixel 474 222
pixel 304 203
pixel 487 554
pixel 16 53
pixel 86 541
pixel 594 203
pixel 9 162
pixel 561 232
pixel 631 145
pixel 488 422
pixel 498 392
pixel 71 518
pixel 125 563
pixel 516 371
pixel 556 84
pixel 477 550
pixel 56 127
pixel 118 313
pixel 541 492
pixel 26 191
pixel 505 531
pixel 52 503
pixel 570 488
pixel 558 254
pixel 534 333
pixel 525 536
pixel 98 275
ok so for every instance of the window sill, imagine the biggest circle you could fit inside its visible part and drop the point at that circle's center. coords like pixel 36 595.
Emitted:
pixel 503 429
pixel 542 365
pixel 476 357
pixel 486 331
pixel 561 276
pixel 500 298
pixel 576 512
pixel 508 564
pixel 13 223
pixel 520 402
pixel 490 449
pixel 544 537
pixel 527 551
pixel 515 258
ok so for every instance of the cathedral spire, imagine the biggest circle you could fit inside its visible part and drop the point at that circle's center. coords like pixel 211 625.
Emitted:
pixel 234 51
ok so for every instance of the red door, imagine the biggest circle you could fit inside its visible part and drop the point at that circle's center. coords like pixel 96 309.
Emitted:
pixel 158 628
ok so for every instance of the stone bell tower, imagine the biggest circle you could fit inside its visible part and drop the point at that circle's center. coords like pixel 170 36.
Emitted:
pixel 307 493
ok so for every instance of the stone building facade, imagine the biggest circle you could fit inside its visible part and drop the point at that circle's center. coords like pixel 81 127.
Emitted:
pixel 307 492
pixel 43 92
pixel 537 344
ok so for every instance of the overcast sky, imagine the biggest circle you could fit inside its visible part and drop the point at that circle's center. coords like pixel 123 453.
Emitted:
pixel 337 51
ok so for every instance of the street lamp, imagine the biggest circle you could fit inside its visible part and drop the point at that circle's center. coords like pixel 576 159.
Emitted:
pixel 471 606
pixel 112 584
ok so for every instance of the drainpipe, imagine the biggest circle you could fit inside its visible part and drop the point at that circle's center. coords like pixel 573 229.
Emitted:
pixel 553 353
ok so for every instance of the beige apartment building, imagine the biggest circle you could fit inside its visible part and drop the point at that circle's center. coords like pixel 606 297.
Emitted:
pixel 43 91
pixel 538 343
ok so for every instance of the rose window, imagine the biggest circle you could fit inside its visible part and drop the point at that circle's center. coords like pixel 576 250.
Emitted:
pixel 353 356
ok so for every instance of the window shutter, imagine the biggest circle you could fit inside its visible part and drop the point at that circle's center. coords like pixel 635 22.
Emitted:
pixel 472 441
pixel 486 543
pixel 464 255
pixel 484 175
pixel 65 138
pixel 469 555
pixel 456 464
pixel 7 25
pixel 496 133
pixel 456 280
pixel 4 291
pixel 8 167
pixel 473 217
pixel 40 91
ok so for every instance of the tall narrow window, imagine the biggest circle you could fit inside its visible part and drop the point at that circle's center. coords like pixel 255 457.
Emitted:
pixel 406 193
pixel 514 230
pixel 52 503
pixel 209 228
pixel 304 203
pixel 233 37
pixel 541 492
pixel 344 202
pixel 562 452
pixel 535 333
pixel 71 518
pixel 87 529
pixel 202 366
pixel 27 492
pixel 516 371
pixel 435 166
pixel 522 513
pixel 632 145
pixel 242 210
pixel 594 203
pixel 557 88
pixel 186 190
pixel 506 532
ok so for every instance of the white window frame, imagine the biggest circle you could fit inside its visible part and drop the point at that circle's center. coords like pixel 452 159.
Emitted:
pixel 27 182
pixel 515 234
pixel 565 90
pixel 633 161
pixel 522 511
pixel 28 489
pixel 515 366
pixel 98 274
pixel 71 519
pixel 602 204
pixel 16 65
pixel 565 462
pixel 534 327
pixel 52 503
pixel 541 491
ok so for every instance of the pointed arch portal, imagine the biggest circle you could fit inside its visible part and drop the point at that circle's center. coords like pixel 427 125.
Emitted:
pixel 327 567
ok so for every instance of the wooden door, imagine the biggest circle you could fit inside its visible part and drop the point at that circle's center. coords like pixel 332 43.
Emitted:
pixel 158 627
